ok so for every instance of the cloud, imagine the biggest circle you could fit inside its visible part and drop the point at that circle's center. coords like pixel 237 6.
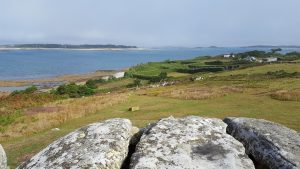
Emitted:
pixel 151 23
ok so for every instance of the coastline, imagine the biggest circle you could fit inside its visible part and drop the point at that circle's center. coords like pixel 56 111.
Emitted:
pixel 77 78
pixel 83 49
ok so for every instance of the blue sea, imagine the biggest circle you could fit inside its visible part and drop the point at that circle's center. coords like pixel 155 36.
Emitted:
pixel 33 64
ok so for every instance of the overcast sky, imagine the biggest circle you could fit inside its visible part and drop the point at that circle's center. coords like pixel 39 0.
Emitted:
pixel 151 23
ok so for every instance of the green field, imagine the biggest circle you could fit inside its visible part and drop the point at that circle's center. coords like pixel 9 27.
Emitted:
pixel 255 92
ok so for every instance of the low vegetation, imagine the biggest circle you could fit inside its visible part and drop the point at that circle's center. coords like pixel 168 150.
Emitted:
pixel 73 90
pixel 287 95
pixel 268 91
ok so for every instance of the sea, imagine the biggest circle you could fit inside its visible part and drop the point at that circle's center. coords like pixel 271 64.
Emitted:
pixel 35 64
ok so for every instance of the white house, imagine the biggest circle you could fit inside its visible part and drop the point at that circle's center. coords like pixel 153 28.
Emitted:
pixel 270 59
pixel 119 75
pixel 228 56
pixel 250 58
pixel 105 77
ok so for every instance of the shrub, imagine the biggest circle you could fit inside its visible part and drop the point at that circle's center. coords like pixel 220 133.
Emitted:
pixel 282 74
pixel 158 78
pixel 201 69
pixel 28 90
pixel 136 83
pixel 6 119
pixel 93 83
pixel 217 62
pixel 255 53
pixel 128 74
pixel 73 90
pixel 162 75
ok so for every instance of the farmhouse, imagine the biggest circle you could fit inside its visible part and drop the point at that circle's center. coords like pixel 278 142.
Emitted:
pixel 119 75
pixel 229 55
pixel 250 58
pixel 270 59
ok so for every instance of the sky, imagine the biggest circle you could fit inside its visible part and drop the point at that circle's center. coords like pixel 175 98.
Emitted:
pixel 151 23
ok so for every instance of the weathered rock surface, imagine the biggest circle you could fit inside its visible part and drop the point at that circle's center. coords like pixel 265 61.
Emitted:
pixel 270 144
pixel 3 159
pixel 99 145
pixel 189 143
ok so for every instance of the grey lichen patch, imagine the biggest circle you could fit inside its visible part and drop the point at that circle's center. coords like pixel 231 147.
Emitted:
pixel 3 159
pixel 210 151
pixel 191 142
pixel 270 144
pixel 98 145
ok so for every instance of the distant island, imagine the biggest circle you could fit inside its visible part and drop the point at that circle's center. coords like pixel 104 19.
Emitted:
pixel 272 46
pixel 64 46
pixel 255 46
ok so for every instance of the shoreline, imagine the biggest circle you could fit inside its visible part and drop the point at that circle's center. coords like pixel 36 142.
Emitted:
pixel 77 78
pixel 82 49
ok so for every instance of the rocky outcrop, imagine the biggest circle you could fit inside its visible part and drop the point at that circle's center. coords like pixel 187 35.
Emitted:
pixel 189 143
pixel 99 145
pixel 172 143
pixel 270 144
pixel 3 159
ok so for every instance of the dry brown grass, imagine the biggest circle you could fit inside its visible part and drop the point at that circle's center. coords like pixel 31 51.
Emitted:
pixel 3 94
pixel 42 117
pixel 193 92
pixel 287 95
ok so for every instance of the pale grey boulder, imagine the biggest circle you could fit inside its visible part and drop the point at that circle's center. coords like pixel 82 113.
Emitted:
pixel 3 159
pixel 189 143
pixel 271 145
pixel 102 145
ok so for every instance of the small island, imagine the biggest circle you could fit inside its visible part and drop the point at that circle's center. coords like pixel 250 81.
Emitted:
pixel 65 46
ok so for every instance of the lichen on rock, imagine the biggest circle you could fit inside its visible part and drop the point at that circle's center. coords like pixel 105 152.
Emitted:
pixel 270 144
pixel 98 145
pixel 189 143
pixel 3 158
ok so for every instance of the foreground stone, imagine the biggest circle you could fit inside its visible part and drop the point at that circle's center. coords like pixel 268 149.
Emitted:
pixel 189 143
pixel 270 144
pixel 3 159
pixel 99 145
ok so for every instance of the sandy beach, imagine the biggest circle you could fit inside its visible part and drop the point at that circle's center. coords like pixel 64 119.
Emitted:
pixel 64 78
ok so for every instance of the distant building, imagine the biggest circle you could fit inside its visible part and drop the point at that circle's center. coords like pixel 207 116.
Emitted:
pixel 119 75
pixel 228 56
pixel 250 58
pixel 270 59
pixel 105 77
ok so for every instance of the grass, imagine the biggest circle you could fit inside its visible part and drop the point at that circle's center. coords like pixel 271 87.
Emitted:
pixel 59 112
pixel 153 108
pixel 155 68
pixel 286 95
pixel 244 93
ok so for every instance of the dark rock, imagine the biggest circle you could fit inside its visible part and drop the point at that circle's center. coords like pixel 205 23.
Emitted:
pixel 269 144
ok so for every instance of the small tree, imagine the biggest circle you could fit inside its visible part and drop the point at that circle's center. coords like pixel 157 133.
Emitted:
pixel 137 82
pixel 163 75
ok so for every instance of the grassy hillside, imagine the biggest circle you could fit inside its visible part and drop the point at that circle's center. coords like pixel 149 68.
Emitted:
pixel 269 91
